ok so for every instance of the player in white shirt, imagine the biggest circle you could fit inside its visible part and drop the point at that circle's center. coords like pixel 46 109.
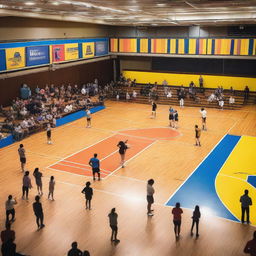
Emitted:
pixel 89 118
pixel 204 114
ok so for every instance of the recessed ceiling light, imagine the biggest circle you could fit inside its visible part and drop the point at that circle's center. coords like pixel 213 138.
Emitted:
pixel 55 3
pixel 29 3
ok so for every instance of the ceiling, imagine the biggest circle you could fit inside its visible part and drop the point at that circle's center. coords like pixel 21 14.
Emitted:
pixel 136 12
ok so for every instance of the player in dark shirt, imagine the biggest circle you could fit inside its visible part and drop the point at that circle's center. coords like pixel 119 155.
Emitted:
pixel 88 191
pixel 38 211
pixel 250 247
pixel 154 107
pixel 122 150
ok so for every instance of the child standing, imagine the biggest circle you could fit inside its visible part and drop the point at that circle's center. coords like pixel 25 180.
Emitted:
pixel 196 216
pixel 51 187
pixel 197 135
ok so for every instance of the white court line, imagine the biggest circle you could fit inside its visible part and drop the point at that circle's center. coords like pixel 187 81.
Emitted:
pixel 132 158
pixel 69 172
pixel 229 176
pixel 232 126
pixel 194 170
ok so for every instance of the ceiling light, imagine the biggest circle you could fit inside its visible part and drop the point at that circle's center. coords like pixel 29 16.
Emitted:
pixel 55 3
pixel 29 3
pixel 154 24
pixel 161 5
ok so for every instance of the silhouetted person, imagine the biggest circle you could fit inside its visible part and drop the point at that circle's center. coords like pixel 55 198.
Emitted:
pixel 88 191
pixel 9 207
pixel 195 220
pixel 113 224
pixel 245 201
pixel 22 156
pixel 150 197
pixel 38 210
pixel 7 234
pixel 86 253
pixel 246 93
pixel 250 247
pixel 177 211
pixel 74 251
pixel 26 185
pixel 9 249
pixel 38 178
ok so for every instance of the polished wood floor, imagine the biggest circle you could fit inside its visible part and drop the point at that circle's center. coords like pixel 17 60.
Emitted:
pixel 168 162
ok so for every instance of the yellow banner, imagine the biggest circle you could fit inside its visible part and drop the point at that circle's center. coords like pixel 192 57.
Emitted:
pixel 71 52
pixel 88 50
pixel 15 58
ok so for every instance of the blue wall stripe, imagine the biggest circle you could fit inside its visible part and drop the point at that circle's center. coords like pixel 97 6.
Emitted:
pixel 80 50
pixel 213 46
pixel 177 46
pixel 197 46
pixel 186 46
pixel 200 189
pixel 168 45
pixel 2 60
pixel 6 141
pixel 49 42
pixel 232 47
pixel 250 46
pixel 138 45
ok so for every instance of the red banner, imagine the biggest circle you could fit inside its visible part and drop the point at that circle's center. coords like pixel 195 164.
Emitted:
pixel 58 53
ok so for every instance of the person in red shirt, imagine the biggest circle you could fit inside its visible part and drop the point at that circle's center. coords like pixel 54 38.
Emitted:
pixel 177 211
pixel 250 247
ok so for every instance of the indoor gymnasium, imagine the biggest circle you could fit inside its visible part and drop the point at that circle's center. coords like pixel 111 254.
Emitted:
pixel 128 128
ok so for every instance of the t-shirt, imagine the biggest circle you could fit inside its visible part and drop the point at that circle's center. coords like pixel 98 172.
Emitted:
pixel 75 252
pixel 87 191
pixel 9 204
pixel 122 147
pixel 246 201
pixel 88 114
pixel 7 235
pixel 95 163
pixel 37 207
pixel 177 213
pixel 150 190
pixel 203 113
pixel 21 152
pixel 113 219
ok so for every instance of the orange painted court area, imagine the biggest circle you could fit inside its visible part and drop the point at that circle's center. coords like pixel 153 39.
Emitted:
pixel 107 150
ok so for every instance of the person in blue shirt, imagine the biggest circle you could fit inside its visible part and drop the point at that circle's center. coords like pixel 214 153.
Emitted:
pixel 95 164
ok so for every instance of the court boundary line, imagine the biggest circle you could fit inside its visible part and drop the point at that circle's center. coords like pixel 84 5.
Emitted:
pixel 179 187
pixel 69 173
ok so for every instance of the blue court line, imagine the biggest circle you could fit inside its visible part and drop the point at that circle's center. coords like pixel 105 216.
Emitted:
pixel 199 188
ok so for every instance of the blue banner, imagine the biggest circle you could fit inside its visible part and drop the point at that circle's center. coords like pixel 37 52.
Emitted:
pixel 2 60
pixel 101 48
pixel 37 55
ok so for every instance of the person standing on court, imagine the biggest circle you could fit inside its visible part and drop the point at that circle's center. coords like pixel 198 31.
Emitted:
pixel 51 188
pixel 38 211
pixel 38 178
pixel 203 114
pixel 154 107
pixel 95 164
pixel 21 152
pixel 177 211
pixel 122 150
pixel 150 196
pixel 88 191
pixel 113 224
pixel 26 185
pixel 74 251
pixel 197 135
pixel 9 207
pixel 201 83
pixel 49 134
pixel 195 220
pixel 246 202
pixel 250 247
pixel 88 118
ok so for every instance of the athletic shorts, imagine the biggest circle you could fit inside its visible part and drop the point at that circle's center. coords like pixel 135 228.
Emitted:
pixel 23 160
pixel 177 222
pixel 114 228
pixel 171 117
pixel 204 119
pixel 176 119
pixel 197 137
pixel 150 199
pixel 88 119
pixel 49 134
pixel 95 170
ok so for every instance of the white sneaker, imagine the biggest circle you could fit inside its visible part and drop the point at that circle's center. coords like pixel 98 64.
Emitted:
pixel 150 214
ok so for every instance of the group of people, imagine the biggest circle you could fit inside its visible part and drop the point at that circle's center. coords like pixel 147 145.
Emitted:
pixel 34 111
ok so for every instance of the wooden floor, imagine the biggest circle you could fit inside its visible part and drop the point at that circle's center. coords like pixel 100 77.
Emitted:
pixel 169 163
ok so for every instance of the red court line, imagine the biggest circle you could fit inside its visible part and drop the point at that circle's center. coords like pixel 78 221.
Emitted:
pixel 107 151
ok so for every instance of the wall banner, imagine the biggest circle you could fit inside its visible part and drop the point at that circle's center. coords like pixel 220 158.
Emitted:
pixel 71 51
pixel 101 48
pixel 88 50
pixel 2 60
pixel 58 53
pixel 37 55
pixel 15 58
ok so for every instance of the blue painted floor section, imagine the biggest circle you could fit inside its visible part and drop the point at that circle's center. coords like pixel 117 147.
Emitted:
pixel 199 189
pixel 252 180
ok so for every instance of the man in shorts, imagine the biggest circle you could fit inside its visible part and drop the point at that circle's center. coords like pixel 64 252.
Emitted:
pixel 95 164
pixel 21 152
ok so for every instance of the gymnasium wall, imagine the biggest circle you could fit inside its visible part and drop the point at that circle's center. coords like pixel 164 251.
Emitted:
pixel 16 28
pixel 176 79
pixel 79 74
